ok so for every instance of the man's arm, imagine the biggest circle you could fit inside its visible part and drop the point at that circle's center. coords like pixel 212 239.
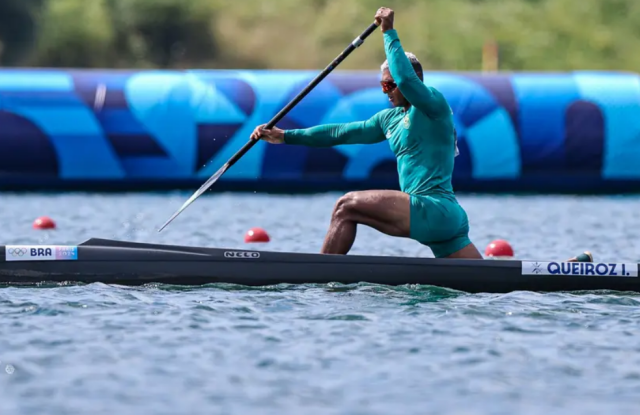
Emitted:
pixel 329 135
pixel 428 100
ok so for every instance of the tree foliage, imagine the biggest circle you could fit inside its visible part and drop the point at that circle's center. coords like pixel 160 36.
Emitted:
pixel 533 35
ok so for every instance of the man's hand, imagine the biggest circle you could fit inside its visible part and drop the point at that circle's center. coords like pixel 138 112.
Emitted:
pixel 273 136
pixel 384 18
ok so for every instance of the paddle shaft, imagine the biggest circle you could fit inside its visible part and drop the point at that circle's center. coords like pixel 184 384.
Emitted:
pixel 355 44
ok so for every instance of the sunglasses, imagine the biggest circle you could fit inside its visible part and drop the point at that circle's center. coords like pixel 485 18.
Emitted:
pixel 388 86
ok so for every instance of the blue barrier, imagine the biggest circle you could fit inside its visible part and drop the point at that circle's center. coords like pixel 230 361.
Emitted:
pixel 117 130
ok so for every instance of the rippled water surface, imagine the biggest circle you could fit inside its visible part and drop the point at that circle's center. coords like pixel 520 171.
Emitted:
pixel 320 349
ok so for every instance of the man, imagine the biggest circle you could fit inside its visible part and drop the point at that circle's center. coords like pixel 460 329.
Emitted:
pixel 420 131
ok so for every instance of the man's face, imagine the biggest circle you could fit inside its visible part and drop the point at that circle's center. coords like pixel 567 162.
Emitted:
pixel 389 87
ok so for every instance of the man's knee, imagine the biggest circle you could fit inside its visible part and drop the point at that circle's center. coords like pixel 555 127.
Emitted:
pixel 346 206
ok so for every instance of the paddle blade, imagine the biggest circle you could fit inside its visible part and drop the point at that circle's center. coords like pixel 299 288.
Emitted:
pixel 197 194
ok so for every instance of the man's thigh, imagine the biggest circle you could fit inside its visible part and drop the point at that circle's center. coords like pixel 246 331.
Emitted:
pixel 439 223
pixel 388 211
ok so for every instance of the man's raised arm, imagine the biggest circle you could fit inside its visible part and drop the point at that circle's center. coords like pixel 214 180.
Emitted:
pixel 428 100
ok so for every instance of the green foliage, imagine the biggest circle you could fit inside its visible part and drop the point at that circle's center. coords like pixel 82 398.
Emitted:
pixel 74 33
pixel 17 30
pixel 445 34
pixel 120 33
pixel 164 33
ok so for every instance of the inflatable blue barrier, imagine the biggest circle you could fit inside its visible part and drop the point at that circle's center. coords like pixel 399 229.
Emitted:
pixel 119 130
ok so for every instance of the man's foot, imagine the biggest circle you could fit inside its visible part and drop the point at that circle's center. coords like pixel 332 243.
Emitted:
pixel 583 257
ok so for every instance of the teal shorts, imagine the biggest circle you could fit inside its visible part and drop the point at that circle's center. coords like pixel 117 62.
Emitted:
pixel 440 223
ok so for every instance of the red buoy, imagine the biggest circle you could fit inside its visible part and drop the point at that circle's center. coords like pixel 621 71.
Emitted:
pixel 44 222
pixel 499 248
pixel 256 235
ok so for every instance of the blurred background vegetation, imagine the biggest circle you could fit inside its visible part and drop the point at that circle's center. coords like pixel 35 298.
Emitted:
pixel 308 34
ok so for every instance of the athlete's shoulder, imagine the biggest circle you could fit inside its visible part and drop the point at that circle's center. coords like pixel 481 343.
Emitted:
pixel 387 114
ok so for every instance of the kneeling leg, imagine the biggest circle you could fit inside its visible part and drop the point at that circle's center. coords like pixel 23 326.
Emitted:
pixel 387 211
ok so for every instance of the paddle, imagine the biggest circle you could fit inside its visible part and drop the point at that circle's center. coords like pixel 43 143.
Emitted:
pixel 356 43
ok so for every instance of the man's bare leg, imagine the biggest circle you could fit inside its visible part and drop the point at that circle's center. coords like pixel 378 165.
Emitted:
pixel 468 252
pixel 388 211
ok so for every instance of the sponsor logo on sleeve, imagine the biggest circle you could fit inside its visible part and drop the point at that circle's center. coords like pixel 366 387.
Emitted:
pixel 598 269
pixel 40 253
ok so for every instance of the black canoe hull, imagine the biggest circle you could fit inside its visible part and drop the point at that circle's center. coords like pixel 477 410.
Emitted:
pixel 134 264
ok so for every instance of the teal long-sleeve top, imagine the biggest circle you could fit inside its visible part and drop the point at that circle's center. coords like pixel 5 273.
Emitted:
pixel 422 137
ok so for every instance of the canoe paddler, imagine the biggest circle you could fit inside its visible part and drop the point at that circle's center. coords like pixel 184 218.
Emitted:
pixel 420 131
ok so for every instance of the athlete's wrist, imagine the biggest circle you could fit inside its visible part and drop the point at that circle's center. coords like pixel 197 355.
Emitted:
pixel 390 34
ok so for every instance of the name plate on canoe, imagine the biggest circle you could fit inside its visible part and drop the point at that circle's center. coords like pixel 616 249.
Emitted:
pixel 597 269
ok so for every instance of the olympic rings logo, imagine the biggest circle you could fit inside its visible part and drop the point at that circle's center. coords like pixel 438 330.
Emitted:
pixel 17 251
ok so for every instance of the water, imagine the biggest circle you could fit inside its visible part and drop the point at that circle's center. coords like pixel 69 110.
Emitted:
pixel 322 349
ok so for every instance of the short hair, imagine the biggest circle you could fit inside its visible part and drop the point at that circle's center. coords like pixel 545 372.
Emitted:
pixel 415 63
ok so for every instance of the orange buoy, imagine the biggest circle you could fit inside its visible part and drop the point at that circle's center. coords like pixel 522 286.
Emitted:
pixel 256 235
pixel 44 222
pixel 499 248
